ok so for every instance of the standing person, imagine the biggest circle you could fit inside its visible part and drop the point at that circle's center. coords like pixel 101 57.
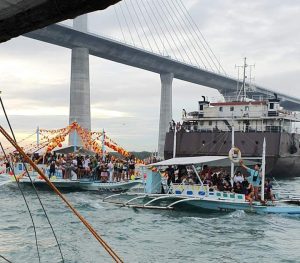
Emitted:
pixel 110 167
pixel 52 169
pixel 131 167
pixel 254 178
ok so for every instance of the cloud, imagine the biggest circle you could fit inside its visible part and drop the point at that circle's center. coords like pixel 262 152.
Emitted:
pixel 35 76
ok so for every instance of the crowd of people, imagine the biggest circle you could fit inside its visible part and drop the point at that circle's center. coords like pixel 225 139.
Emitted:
pixel 95 168
pixel 219 179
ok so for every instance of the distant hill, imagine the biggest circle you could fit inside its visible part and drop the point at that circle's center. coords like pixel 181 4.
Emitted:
pixel 139 155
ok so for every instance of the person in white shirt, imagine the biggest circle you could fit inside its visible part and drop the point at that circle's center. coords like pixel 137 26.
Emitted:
pixel 238 177
pixel 110 167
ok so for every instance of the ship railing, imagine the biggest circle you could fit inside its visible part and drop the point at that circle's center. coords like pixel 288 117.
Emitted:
pixel 235 98
pixel 265 128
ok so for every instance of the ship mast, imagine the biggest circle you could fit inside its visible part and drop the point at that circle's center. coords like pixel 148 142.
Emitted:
pixel 244 80
pixel 243 88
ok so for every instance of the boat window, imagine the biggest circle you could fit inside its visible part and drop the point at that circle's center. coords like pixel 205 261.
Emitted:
pixel 201 107
pixel 210 123
pixel 220 108
pixel 246 108
pixel 231 108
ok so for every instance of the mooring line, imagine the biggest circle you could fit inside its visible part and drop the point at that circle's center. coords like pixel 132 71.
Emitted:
pixel 110 251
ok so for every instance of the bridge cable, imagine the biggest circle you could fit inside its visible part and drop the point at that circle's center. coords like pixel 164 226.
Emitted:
pixel 126 22
pixel 162 31
pixel 181 37
pixel 118 19
pixel 141 25
pixel 153 24
pixel 131 17
pixel 187 16
pixel 168 31
pixel 189 39
pixel 150 31
pixel 194 26
pixel 195 40
pixel 192 23
pixel 35 190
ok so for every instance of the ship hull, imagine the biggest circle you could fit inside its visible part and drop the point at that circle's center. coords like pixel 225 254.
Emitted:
pixel 282 151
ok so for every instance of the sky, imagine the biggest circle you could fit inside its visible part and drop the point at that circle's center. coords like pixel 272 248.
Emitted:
pixel 35 76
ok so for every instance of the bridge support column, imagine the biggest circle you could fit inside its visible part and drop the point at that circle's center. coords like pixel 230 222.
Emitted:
pixel 80 108
pixel 165 110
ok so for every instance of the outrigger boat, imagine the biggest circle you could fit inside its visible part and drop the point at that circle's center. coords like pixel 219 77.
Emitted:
pixel 199 197
pixel 72 184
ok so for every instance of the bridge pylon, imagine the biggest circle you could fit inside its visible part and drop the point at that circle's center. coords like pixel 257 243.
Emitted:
pixel 80 106
pixel 165 110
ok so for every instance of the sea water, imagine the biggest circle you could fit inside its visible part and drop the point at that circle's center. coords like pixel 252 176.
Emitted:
pixel 141 235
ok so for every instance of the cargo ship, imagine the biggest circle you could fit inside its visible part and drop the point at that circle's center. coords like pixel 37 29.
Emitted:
pixel 207 131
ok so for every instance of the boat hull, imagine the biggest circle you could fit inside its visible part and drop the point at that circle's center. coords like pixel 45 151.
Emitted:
pixel 81 185
pixel 280 162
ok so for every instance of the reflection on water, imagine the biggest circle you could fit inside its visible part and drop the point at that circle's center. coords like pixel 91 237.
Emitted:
pixel 143 235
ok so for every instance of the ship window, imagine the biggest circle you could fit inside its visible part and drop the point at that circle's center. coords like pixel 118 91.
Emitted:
pixel 231 108
pixel 256 142
pixel 224 142
pixel 246 108
pixel 201 107
pixel 201 123
pixel 220 108
pixel 271 106
pixel 203 142
pixel 210 123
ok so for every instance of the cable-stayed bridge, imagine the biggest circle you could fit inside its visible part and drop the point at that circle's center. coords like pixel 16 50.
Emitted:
pixel 158 36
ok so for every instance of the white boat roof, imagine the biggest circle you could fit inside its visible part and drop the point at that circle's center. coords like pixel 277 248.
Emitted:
pixel 190 160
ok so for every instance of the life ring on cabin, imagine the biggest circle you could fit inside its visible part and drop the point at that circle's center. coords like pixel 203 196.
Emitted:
pixel 235 155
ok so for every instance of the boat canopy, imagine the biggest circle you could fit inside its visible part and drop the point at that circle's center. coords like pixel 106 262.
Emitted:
pixel 218 161
pixel 190 160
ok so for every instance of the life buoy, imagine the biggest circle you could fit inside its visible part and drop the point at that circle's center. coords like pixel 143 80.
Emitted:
pixel 235 155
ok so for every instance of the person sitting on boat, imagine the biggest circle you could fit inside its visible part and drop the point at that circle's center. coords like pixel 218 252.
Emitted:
pixel 254 178
pixel 238 188
pixel 205 170
pixel 268 191
pixel 238 177
pixel 171 175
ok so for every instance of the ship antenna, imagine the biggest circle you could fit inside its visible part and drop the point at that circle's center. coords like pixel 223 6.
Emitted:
pixel 244 80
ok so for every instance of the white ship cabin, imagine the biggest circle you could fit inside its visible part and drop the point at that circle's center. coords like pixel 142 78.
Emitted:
pixel 247 116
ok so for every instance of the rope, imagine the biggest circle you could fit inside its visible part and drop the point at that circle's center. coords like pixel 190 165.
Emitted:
pixel 81 218
pixel 5 259
pixel 35 190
